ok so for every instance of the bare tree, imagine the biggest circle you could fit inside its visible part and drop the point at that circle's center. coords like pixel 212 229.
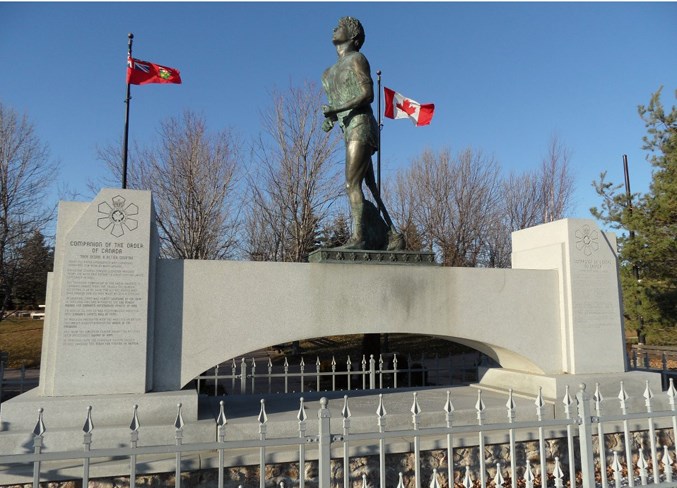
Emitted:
pixel 522 200
pixel 449 202
pixel 538 196
pixel 192 174
pixel 295 181
pixel 25 177
pixel 556 181
pixel 519 208
pixel 398 193
pixel 464 210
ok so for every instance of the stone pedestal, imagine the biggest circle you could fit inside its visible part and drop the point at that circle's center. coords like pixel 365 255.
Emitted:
pixel 344 256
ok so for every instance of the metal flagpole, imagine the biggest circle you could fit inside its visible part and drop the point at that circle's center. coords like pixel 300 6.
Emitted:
pixel 378 178
pixel 380 126
pixel 126 137
pixel 635 269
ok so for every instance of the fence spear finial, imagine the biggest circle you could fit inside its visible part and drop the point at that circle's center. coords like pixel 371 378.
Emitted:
pixel 617 469
pixel 39 429
pixel 597 397
pixel 510 405
pixel 567 400
pixel 558 474
pixel 89 425
pixel 178 423
pixel 539 402
pixel 134 426
pixel 221 419
pixel 479 404
pixel 667 464
pixel 448 406
pixel 448 410
pixel 381 410
pixel 672 393
pixel 467 481
pixel 529 477
pixel 301 416
pixel 648 395
pixel 263 417
pixel 415 408
pixel 623 398
pixel 435 482
pixel 642 465
pixel 498 479
pixel 345 412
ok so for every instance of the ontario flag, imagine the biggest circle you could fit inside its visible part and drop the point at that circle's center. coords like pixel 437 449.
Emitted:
pixel 142 72
pixel 400 107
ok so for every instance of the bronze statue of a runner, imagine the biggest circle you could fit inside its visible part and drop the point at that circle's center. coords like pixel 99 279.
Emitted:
pixel 350 92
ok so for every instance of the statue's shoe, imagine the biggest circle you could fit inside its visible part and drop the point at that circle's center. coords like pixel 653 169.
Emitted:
pixel 354 245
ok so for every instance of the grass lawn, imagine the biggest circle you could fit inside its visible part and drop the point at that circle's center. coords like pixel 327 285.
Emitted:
pixel 22 339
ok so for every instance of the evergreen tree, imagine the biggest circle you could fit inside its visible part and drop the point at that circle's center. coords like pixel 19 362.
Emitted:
pixel 36 259
pixel 336 233
pixel 648 251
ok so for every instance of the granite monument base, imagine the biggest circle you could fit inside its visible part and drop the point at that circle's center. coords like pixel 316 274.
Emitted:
pixel 345 256
pixel 553 386
pixel 21 412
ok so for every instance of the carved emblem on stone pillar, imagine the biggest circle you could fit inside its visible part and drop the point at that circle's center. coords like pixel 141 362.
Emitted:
pixel 587 240
pixel 118 217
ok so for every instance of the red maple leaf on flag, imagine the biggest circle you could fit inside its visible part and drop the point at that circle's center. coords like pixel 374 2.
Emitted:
pixel 406 107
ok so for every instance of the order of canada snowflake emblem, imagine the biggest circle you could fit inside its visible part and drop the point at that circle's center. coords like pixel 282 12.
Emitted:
pixel 586 240
pixel 118 217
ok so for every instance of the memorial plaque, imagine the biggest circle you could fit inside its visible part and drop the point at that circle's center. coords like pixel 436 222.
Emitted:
pixel 100 309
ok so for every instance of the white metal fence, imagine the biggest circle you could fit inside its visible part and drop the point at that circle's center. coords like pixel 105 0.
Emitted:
pixel 252 376
pixel 583 423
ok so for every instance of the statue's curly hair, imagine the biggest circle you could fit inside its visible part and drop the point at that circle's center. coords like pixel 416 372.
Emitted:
pixel 355 30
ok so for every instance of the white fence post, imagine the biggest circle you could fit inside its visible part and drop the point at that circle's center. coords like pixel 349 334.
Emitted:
pixel 87 429
pixel 301 416
pixel 243 376
pixel 38 433
pixel 585 438
pixel 263 429
pixel 324 437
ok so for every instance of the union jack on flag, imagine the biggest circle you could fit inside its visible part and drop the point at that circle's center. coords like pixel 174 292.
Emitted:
pixel 142 72
pixel 137 65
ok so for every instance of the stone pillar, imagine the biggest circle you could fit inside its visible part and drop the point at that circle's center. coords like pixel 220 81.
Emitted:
pixel 98 336
pixel 591 334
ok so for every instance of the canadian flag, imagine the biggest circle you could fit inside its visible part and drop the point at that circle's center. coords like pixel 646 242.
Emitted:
pixel 400 107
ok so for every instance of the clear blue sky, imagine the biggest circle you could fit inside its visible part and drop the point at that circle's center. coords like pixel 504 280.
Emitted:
pixel 504 77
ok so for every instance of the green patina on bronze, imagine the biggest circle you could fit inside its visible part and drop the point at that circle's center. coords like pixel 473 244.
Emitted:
pixel 350 92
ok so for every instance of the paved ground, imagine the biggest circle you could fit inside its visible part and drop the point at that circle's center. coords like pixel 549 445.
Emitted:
pixel 242 411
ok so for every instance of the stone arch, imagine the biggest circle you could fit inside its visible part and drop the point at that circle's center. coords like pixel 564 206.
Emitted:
pixel 209 311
